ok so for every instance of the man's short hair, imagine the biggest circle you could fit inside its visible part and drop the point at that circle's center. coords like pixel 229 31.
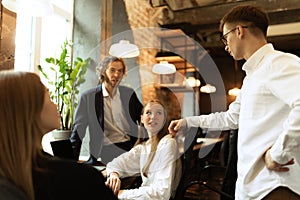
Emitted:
pixel 247 15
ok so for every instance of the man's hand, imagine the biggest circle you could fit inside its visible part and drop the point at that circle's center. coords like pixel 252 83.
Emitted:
pixel 114 182
pixel 177 126
pixel 272 165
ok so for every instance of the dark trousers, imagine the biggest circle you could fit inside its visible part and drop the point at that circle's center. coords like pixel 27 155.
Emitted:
pixel 281 193
pixel 109 152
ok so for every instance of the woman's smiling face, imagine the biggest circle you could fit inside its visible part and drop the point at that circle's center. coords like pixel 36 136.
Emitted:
pixel 153 118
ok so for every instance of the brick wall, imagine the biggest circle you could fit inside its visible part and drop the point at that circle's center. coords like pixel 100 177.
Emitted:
pixel 7 38
pixel 142 15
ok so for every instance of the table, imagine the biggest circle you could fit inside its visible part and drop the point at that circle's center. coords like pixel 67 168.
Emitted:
pixel 206 142
pixel 47 138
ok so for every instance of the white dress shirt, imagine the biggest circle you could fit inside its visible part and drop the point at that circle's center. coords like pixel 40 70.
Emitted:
pixel 116 129
pixel 267 113
pixel 161 180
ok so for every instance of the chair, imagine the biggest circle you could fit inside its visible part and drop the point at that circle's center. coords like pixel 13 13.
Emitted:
pixel 226 171
pixel 188 162
pixel 231 169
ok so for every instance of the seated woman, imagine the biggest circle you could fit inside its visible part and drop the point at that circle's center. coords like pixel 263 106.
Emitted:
pixel 154 158
pixel 27 113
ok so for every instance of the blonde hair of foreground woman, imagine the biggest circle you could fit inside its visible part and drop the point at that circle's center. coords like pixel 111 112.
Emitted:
pixel 21 103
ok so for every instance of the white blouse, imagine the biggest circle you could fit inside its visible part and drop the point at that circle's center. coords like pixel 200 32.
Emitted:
pixel 161 176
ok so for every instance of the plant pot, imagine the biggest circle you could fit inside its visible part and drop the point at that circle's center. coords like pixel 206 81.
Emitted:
pixel 61 134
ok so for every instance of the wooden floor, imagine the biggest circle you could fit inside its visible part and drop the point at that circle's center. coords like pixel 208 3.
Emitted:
pixel 199 191
pixel 213 177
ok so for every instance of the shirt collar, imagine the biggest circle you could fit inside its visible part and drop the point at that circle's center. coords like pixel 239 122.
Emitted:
pixel 105 93
pixel 253 62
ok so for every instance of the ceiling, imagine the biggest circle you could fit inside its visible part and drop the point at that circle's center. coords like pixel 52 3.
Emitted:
pixel 199 19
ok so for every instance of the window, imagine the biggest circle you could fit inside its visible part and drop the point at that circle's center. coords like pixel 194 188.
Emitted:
pixel 40 37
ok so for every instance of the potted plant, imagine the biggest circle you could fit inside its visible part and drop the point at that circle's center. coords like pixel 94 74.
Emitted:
pixel 64 79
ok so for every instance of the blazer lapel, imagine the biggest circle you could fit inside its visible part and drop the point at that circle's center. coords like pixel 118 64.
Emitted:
pixel 99 105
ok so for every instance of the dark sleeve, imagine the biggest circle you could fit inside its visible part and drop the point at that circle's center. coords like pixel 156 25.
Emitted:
pixel 63 179
pixel 135 108
pixel 76 144
pixel 79 126
pixel 94 185
pixel 10 191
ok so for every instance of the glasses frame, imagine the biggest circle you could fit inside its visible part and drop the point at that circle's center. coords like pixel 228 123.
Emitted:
pixel 224 38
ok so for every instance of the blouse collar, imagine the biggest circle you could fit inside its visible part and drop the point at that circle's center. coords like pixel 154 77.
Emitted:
pixel 253 62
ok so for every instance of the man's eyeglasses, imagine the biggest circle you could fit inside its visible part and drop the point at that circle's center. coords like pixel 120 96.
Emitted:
pixel 224 37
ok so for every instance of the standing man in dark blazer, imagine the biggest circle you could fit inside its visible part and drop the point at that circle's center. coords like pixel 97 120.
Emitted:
pixel 111 113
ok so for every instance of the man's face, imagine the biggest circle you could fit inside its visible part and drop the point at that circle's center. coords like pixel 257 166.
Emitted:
pixel 228 38
pixel 233 39
pixel 114 73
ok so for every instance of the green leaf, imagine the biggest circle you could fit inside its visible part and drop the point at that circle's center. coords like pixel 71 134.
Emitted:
pixel 68 78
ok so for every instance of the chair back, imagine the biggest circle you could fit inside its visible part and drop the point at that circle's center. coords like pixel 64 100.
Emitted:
pixel 186 159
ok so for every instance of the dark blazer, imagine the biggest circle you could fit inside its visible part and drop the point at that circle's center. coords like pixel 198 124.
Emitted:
pixel 90 113
pixel 10 191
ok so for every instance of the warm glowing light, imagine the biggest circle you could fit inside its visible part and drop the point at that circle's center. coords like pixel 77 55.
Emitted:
pixel 234 91
pixel 192 82
pixel 208 88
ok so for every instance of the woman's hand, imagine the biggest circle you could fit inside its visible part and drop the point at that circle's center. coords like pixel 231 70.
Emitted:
pixel 113 182
pixel 177 126
pixel 272 165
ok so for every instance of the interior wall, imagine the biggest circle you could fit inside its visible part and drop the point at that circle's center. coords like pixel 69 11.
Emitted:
pixel 91 40
pixel 122 30
pixel 86 36
pixel 127 20
pixel 143 20
pixel 127 16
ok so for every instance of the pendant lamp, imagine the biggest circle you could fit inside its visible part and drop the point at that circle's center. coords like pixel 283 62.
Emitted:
pixel 163 67
pixel 11 5
pixel 192 82
pixel 35 8
pixel 124 49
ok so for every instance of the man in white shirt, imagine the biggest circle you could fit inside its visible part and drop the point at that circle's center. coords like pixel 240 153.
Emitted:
pixel 266 112
pixel 110 111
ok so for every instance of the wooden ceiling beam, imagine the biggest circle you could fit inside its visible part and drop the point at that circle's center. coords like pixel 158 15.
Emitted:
pixel 279 11
pixel 202 23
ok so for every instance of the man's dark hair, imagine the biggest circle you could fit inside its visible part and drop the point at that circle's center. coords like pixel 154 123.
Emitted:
pixel 250 16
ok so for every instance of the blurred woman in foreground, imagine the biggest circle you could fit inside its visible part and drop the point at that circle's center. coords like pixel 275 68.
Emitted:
pixel 27 113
